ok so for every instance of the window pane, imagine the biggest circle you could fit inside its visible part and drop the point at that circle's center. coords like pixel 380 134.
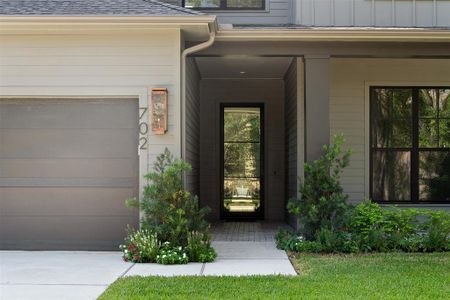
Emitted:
pixel 434 173
pixel 428 103
pixel 241 124
pixel 241 160
pixel 428 133
pixel 444 133
pixel 391 176
pixel 202 3
pixel 444 103
pixel 391 111
pixel 245 3
pixel 242 195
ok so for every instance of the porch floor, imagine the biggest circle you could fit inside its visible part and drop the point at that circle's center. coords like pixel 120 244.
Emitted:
pixel 245 231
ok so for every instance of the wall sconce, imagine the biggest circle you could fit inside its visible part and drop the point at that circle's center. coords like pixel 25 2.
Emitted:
pixel 159 111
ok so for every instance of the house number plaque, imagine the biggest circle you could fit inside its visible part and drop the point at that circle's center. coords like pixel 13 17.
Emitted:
pixel 159 111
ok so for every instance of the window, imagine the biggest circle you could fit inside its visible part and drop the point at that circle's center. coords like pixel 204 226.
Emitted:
pixel 410 144
pixel 225 4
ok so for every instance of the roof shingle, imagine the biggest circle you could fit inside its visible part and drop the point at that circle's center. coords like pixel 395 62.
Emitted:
pixel 92 8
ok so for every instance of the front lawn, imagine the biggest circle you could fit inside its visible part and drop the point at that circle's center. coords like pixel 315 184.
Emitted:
pixel 371 276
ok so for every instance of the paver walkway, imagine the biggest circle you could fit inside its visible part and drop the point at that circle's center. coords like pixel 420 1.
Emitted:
pixel 243 249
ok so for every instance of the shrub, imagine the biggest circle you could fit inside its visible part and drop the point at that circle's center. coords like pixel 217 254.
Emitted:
pixel 322 202
pixel 401 227
pixel 172 255
pixel 336 241
pixel 287 240
pixel 437 227
pixel 140 246
pixel 199 248
pixel 169 210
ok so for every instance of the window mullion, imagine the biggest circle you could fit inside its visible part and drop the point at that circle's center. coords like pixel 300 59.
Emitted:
pixel 223 4
pixel 415 146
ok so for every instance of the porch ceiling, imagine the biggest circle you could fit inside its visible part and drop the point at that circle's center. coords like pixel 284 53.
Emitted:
pixel 243 67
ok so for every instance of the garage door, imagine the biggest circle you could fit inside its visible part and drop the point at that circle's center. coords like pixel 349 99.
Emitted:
pixel 66 167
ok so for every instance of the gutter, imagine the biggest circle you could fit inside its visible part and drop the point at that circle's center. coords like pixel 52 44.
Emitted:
pixel 184 54
pixel 336 35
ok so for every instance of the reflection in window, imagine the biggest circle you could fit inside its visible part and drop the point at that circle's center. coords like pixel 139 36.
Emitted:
pixel 410 144
pixel 241 169
pixel 225 4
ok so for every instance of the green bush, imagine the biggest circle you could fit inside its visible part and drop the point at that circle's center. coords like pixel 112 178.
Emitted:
pixel 322 202
pixel 287 240
pixel 140 246
pixel 437 228
pixel 169 210
pixel 172 255
pixel 199 248
pixel 336 241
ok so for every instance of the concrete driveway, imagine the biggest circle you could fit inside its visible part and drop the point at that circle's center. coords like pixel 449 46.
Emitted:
pixel 58 274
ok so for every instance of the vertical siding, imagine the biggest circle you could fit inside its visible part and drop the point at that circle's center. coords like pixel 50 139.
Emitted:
pixel 380 13
pixel 291 130
pixel 105 61
pixel 348 104
pixel 267 91
pixel 193 125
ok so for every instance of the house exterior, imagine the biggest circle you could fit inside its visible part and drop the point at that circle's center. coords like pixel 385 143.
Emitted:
pixel 253 90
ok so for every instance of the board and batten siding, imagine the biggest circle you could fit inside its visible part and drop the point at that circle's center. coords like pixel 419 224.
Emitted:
pixel 99 65
pixel 349 111
pixel 193 125
pixel 380 13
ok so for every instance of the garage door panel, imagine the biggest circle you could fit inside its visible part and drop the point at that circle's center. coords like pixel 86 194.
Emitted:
pixel 60 143
pixel 66 168
pixel 68 232
pixel 67 113
pixel 65 201
pixel 77 167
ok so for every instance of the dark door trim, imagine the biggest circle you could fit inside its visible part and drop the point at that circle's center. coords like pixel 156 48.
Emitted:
pixel 243 216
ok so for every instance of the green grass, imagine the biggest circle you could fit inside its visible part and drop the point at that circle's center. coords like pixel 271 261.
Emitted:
pixel 374 276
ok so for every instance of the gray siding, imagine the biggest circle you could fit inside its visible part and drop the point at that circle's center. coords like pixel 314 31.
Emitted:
pixel 193 125
pixel 381 13
pixel 267 91
pixel 290 120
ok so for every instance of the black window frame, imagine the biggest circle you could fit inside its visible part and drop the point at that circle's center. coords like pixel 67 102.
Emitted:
pixel 224 7
pixel 415 149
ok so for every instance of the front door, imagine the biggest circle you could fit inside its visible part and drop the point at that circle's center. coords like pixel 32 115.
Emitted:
pixel 242 161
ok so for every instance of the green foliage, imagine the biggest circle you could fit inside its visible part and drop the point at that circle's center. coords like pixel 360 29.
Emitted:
pixel 169 210
pixel 287 240
pixel 437 227
pixel 141 246
pixel 336 241
pixel 322 202
pixel 199 248
pixel 172 255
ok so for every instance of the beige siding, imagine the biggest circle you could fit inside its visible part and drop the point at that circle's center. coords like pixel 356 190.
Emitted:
pixel 350 79
pixel 106 62
pixel 193 125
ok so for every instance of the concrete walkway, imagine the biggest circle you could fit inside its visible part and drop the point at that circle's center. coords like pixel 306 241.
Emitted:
pixel 85 275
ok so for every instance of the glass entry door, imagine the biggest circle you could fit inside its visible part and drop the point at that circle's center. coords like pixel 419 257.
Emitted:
pixel 242 161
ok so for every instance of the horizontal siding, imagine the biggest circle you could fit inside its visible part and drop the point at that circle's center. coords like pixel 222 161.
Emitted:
pixel 382 13
pixel 348 104
pixel 142 60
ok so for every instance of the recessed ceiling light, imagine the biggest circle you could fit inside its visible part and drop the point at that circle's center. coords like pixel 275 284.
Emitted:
pixel 242 72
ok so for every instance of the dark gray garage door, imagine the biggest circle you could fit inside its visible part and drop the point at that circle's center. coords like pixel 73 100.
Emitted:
pixel 66 167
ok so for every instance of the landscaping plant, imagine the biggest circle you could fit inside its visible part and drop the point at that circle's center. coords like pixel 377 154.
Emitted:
pixel 322 202
pixel 172 255
pixel 141 246
pixel 173 213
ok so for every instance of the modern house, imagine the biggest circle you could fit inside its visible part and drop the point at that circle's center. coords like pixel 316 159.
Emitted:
pixel 247 91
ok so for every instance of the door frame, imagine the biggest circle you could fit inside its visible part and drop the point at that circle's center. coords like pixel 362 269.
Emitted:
pixel 243 216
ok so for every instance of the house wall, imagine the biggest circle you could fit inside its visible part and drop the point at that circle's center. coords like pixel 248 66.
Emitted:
pixel 267 91
pixel 349 112
pixel 112 63
pixel 382 13
pixel 193 125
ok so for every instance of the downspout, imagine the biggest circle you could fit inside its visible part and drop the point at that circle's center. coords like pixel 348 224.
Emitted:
pixel 186 52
